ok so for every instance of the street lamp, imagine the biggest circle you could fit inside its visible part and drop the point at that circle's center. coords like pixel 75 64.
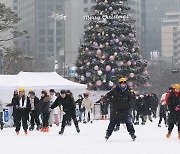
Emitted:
pixel 55 17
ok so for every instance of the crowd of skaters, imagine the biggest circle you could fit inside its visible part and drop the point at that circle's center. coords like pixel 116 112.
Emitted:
pixel 126 106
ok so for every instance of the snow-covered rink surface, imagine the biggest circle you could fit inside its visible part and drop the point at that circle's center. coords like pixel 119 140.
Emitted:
pixel 150 140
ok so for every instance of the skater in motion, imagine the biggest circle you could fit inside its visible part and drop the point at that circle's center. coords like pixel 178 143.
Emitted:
pixel 121 105
pixel 69 109
pixel 22 109
pixel 174 109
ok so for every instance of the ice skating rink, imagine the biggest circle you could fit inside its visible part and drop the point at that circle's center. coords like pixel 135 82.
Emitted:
pixel 150 140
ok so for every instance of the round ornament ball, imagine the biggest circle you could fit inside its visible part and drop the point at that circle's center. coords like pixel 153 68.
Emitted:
pixel 121 63
pixel 101 46
pixel 117 40
pixel 108 68
pixel 107 44
pixel 86 49
pixel 99 83
pixel 110 8
pixel 97 26
pixel 111 58
pixel 113 35
pixel 100 72
pixel 99 52
pixel 88 74
pixel 88 63
pixel 82 78
pixel 131 75
pixel 133 50
pixel 129 63
pixel 99 34
pixel 106 1
pixel 96 67
pixel 115 54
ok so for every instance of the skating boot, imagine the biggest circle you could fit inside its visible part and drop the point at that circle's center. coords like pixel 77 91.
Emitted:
pixel 116 128
pixel 159 125
pixel 25 132
pixel 136 123
pixel 38 127
pixel 31 128
pixel 179 135
pixel 61 132
pixel 77 129
pixel 133 137
pixel 168 135
pixel 107 135
pixel 17 133
pixel 1 126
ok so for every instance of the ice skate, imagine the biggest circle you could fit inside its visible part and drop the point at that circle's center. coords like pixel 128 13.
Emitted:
pixel 133 137
pixel 168 135
pixel 77 129
pixel 61 132
pixel 31 128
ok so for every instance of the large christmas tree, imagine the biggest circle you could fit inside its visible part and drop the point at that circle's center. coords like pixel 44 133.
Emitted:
pixel 110 50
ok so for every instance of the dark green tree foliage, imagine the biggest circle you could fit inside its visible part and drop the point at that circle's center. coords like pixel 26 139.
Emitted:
pixel 110 50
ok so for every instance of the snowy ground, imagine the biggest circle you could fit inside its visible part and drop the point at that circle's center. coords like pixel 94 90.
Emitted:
pixel 150 140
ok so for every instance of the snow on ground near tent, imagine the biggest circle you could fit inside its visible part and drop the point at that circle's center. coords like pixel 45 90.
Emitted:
pixel 150 140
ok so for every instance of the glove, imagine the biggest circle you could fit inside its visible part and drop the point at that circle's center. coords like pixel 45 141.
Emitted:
pixel 4 109
pixel 177 108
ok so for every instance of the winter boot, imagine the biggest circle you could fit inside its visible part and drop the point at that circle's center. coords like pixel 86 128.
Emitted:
pixel 179 135
pixel 136 123
pixel 116 128
pixel 31 128
pixel 159 125
pixel 43 129
pixel 133 136
pixel 17 133
pixel 77 129
pixel 107 135
pixel 168 134
pixel 61 132
pixel 38 127
pixel 25 132
pixel 46 129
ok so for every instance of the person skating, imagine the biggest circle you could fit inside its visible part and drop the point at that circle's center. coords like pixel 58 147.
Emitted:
pixel 162 114
pixel 45 104
pixel 153 104
pixel 54 114
pixel 88 104
pixel 121 108
pixel 104 108
pixel 174 109
pixel 35 110
pixel 81 110
pixel 69 109
pixel 22 109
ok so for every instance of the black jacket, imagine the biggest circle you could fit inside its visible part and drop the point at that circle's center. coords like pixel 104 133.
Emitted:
pixel 45 104
pixel 67 103
pixel 173 102
pixel 16 105
pixel 120 102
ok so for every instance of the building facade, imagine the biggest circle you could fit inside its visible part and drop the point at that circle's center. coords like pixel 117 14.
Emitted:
pixel 170 38
pixel 36 20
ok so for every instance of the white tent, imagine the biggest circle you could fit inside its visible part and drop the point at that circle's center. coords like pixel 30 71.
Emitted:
pixel 36 81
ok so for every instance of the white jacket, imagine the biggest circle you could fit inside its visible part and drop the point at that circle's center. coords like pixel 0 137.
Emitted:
pixel 87 103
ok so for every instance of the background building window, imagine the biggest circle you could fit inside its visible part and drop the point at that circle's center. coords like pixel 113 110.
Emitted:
pixel 85 1
pixel 50 48
pixel 41 31
pixel 49 7
pixel 42 40
pixel 41 49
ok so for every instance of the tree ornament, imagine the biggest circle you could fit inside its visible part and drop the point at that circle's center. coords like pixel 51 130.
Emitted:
pixel 108 68
pixel 97 26
pixel 116 40
pixel 100 72
pixel 111 58
pixel 99 34
pixel 82 78
pixel 99 52
pixel 103 33
pixel 131 75
pixel 110 8
pixel 101 46
pixel 115 54
pixel 113 35
pixel 129 63
pixel 88 74
pixel 111 42
pixel 107 44
pixel 96 68
pixel 111 83
pixel 106 1
pixel 87 49
pixel 121 63
pixel 99 83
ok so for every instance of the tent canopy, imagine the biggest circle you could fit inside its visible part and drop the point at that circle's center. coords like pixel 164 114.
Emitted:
pixel 38 80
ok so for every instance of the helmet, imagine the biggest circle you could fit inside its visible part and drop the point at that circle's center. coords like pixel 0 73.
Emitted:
pixel 176 86
pixel 30 90
pixel 21 90
pixel 32 93
pixel 122 80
